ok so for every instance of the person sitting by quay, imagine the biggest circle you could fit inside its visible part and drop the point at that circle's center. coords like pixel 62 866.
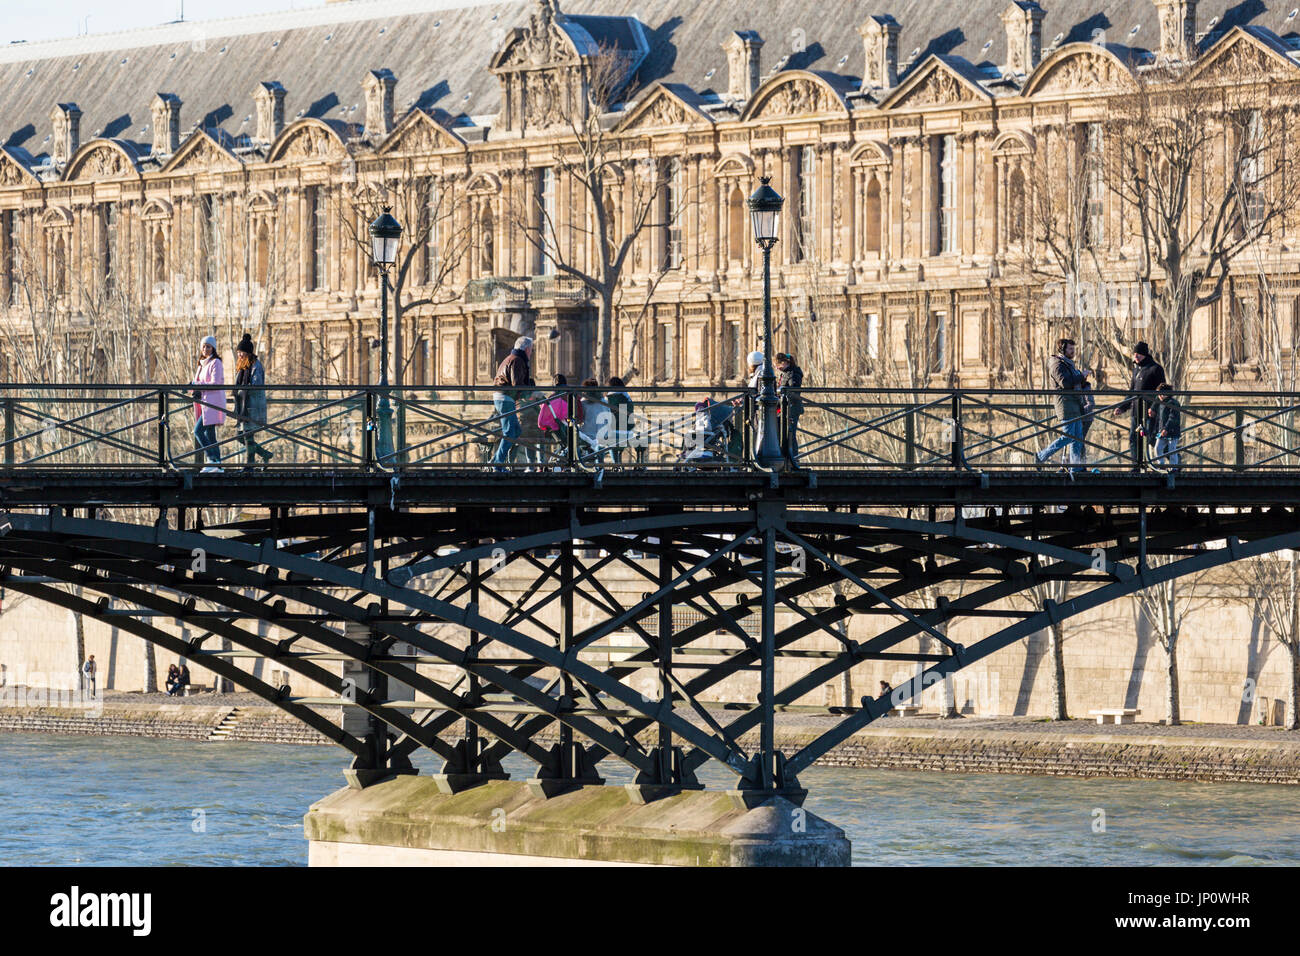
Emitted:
pixel 173 675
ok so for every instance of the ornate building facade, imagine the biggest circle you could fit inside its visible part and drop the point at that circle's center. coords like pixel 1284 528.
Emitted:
pixel 906 177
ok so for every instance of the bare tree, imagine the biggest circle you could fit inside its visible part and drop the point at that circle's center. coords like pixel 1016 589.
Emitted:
pixel 437 231
pixel 1200 167
pixel 623 194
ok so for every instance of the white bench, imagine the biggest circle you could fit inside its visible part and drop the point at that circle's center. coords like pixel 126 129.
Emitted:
pixel 905 710
pixel 1115 715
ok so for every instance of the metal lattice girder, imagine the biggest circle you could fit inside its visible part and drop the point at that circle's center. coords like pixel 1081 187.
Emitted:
pixel 267 554
pixel 884 563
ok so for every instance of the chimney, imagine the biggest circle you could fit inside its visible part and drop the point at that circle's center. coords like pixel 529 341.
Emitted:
pixel 880 47
pixel 1024 23
pixel 166 111
pixel 269 98
pixel 1177 29
pixel 66 120
pixel 378 85
pixel 742 48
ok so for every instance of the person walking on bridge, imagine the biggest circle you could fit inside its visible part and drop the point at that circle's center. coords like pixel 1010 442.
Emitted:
pixel 250 398
pixel 1068 405
pixel 789 380
pixel 514 376
pixel 1148 375
pixel 209 402
pixel 1169 428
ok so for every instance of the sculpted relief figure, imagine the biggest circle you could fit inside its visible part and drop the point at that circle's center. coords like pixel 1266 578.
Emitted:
pixel 938 88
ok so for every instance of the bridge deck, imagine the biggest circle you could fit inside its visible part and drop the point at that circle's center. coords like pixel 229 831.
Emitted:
pixel 432 487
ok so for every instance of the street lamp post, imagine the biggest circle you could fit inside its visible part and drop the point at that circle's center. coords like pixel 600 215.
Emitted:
pixel 765 215
pixel 385 231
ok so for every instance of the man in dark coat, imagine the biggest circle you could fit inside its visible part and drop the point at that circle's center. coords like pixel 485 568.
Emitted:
pixel 514 376
pixel 1069 380
pixel 790 376
pixel 1148 375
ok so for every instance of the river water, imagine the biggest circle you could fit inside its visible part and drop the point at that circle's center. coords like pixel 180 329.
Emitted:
pixel 133 801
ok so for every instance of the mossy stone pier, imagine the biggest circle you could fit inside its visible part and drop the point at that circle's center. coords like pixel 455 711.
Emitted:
pixel 408 821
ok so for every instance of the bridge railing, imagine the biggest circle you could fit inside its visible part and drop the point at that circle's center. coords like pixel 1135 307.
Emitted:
pixel 339 428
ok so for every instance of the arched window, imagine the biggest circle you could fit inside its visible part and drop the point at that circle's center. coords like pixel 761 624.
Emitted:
pixel 60 266
pixel 159 257
pixel 871 214
pixel 736 225
pixel 1016 207
pixel 671 218
pixel 486 258
pixel 263 254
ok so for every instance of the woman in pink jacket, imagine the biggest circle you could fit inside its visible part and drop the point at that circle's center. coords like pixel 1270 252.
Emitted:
pixel 210 402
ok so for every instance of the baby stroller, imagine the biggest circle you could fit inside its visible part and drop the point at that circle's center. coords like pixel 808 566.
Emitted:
pixel 716 437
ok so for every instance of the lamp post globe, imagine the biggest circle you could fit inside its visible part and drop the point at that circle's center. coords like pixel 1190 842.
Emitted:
pixel 385 232
pixel 765 217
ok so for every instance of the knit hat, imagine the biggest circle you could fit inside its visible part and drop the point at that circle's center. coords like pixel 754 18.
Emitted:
pixel 208 340
pixel 246 344
pixel 755 358
pixel 1141 349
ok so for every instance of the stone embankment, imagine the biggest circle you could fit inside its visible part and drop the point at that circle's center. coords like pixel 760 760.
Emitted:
pixel 1206 752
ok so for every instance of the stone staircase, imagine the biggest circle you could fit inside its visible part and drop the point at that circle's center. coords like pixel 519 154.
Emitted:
pixel 227 724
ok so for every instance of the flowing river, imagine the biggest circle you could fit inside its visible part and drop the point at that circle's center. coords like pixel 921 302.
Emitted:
pixel 135 801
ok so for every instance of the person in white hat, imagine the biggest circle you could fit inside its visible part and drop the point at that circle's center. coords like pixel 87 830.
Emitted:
pixel 755 370
pixel 209 402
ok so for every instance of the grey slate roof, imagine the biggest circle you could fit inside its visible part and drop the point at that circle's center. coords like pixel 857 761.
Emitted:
pixel 440 55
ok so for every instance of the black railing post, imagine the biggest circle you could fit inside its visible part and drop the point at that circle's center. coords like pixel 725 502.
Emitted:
pixel 571 432
pixel 748 433
pixel 368 431
pixel 9 432
pixel 958 454
pixel 909 438
pixel 164 434
pixel 1239 438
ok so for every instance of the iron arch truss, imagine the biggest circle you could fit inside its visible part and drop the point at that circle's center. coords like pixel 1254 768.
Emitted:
pixel 622 628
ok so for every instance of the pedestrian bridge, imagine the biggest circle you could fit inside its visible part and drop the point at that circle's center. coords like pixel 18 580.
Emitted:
pixel 918 509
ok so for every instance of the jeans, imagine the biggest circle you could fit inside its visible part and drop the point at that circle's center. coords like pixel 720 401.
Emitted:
pixel 1166 451
pixel 791 433
pixel 1072 435
pixel 206 436
pixel 505 408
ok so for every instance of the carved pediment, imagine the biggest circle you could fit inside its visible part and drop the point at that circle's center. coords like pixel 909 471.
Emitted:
pixel 13 172
pixel 308 141
pixel 661 108
pixel 1078 68
pixel 1242 56
pixel 935 85
pixel 56 217
pixel 872 154
pixel 420 133
pixel 156 210
pixel 484 184
pixel 735 166
pixel 797 94
pixel 544 42
pixel 101 159
pixel 201 153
